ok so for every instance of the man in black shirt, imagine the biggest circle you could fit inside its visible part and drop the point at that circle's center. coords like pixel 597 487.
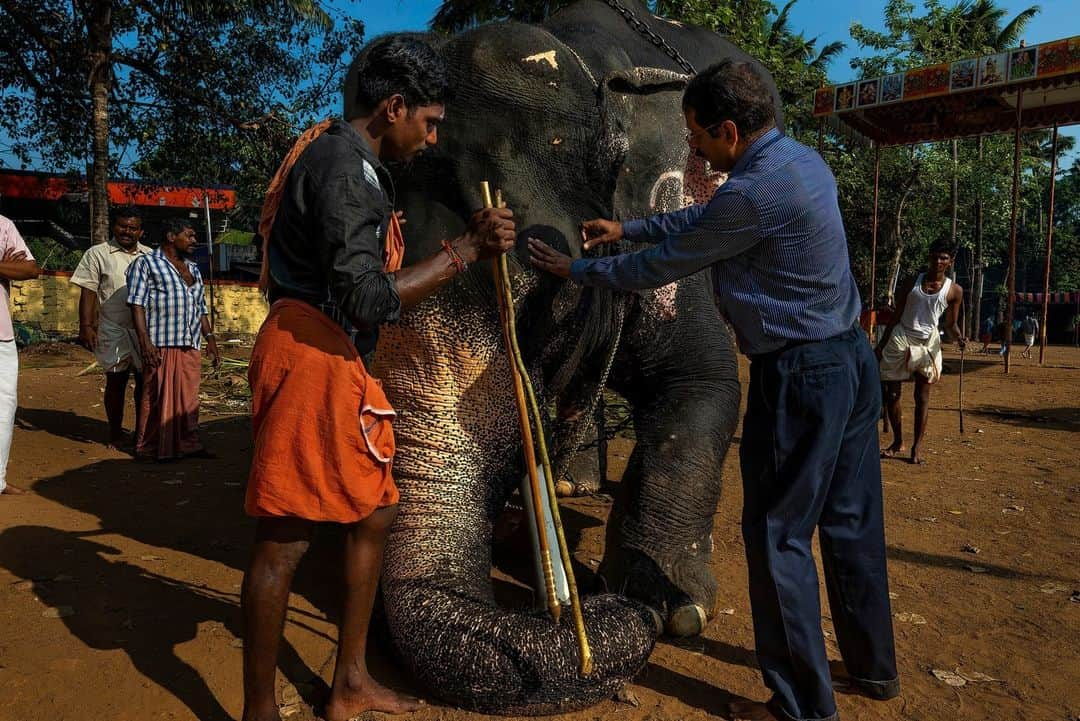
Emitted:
pixel 323 441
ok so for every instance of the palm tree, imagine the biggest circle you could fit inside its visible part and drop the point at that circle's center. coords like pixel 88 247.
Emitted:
pixel 456 15
pixel 982 25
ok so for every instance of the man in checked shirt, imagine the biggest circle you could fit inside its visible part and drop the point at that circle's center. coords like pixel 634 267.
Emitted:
pixel 774 239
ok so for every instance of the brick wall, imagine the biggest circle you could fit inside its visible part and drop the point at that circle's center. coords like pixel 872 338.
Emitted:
pixel 52 302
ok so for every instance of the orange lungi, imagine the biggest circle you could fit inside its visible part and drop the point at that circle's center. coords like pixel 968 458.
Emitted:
pixel 324 444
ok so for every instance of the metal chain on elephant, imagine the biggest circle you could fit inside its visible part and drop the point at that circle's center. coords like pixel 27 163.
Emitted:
pixel 645 31
pixel 566 452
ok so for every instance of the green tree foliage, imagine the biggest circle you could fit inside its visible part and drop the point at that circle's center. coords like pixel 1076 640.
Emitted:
pixel 198 92
pixel 916 182
pixel 796 63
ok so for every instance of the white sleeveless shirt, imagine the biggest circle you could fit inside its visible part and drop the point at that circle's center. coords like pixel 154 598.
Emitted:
pixel 922 311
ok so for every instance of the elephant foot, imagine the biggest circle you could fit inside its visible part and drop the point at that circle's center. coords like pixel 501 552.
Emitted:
pixel 570 488
pixel 685 621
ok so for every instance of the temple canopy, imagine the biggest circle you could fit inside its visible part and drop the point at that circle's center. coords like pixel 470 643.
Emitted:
pixel 1029 88
pixel 974 96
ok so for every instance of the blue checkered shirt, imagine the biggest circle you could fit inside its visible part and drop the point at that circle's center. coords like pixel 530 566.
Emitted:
pixel 774 238
pixel 174 311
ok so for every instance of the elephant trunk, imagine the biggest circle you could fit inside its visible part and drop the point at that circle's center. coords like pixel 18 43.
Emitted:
pixel 458 447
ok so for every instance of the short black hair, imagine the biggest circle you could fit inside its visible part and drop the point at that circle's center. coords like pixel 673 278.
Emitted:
pixel 939 246
pixel 174 226
pixel 402 65
pixel 731 91
pixel 126 211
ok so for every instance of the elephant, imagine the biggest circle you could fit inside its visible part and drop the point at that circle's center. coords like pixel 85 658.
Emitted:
pixel 574 118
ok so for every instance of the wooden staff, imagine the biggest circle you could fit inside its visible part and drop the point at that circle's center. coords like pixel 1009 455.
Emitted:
pixel 961 403
pixel 506 318
pixel 522 383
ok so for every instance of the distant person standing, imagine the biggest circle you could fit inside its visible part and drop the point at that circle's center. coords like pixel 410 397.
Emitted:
pixel 911 346
pixel 16 263
pixel 168 304
pixel 1030 328
pixel 110 332
pixel 986 334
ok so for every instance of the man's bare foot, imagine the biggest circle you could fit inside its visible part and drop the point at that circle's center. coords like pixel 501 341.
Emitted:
pixel 916 456
pixel 750 711
pixel 893 451
pixel 10 490
pixel 348 703
pixel 269 713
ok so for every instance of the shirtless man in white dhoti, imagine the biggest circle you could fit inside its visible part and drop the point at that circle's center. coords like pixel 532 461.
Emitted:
pixel 911 345
pixel 105 324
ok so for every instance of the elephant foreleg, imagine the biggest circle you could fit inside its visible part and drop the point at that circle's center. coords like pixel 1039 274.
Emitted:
pixel 679 372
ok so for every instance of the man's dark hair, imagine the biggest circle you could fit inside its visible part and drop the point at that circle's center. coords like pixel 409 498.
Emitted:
pixel 731 91
pixel 126 211
pixel 396 65
pixel 174 226
pixel 939 246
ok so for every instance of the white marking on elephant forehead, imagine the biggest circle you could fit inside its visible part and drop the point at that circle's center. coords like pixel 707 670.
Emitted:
pixel 675 175
pixel 548 57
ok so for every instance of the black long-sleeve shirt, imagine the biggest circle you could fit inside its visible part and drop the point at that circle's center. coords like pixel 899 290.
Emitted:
pixel 326 244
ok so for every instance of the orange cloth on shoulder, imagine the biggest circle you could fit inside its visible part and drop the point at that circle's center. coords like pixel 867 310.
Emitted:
pixel 324 444
pixel 394 251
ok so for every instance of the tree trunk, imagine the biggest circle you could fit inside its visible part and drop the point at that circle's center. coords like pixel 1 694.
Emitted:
pixel 99 42
pixel 977 281
pixel 894 275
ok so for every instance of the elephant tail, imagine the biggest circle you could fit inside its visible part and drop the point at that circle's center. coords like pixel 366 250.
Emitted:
pixel 478 656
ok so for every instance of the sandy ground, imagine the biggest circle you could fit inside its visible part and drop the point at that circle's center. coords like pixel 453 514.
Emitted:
pixel 119 581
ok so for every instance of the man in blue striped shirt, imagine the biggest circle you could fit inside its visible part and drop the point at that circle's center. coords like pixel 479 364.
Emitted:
pixel 774 239
pixel 168 307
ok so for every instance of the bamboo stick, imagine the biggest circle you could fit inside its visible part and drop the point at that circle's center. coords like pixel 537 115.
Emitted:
pixel 545 460
pixel 505 317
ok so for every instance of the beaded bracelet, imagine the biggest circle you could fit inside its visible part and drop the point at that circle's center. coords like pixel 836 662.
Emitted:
pixel 457 260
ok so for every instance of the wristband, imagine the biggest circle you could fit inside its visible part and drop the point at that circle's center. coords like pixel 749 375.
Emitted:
pixel 457 260
pixel 209 335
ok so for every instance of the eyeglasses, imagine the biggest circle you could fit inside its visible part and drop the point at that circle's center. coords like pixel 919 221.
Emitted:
pixel 691 137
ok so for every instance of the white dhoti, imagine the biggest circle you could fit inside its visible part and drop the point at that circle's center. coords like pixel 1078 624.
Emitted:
pixel 9 385
pixel 117 347
pixel 905 355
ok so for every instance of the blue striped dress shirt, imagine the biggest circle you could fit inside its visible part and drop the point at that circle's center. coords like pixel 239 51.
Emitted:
pixel 174 311
pixel 774 238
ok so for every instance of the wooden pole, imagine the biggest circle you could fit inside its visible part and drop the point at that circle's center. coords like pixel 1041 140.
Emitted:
pixel 821 136
pixel 1049 247
pixel 529 451
pixel 977 277
pixel 521 377
pixel 955 197
pixel 1010 304
pixel 873 238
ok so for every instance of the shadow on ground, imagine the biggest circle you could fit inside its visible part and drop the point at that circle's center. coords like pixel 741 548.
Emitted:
pixel 1045 419
pixel 191 507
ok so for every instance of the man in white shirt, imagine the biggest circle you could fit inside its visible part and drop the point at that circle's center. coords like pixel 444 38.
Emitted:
pixel 16 263
pixel 911 345
pixel 105 324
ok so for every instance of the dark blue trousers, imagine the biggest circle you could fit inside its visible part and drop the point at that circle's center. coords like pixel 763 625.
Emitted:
pixel 810 460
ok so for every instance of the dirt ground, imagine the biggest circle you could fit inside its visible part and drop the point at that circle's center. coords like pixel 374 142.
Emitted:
pixel 119 581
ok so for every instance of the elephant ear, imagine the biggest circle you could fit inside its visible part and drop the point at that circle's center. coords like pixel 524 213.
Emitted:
pixel 644 150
